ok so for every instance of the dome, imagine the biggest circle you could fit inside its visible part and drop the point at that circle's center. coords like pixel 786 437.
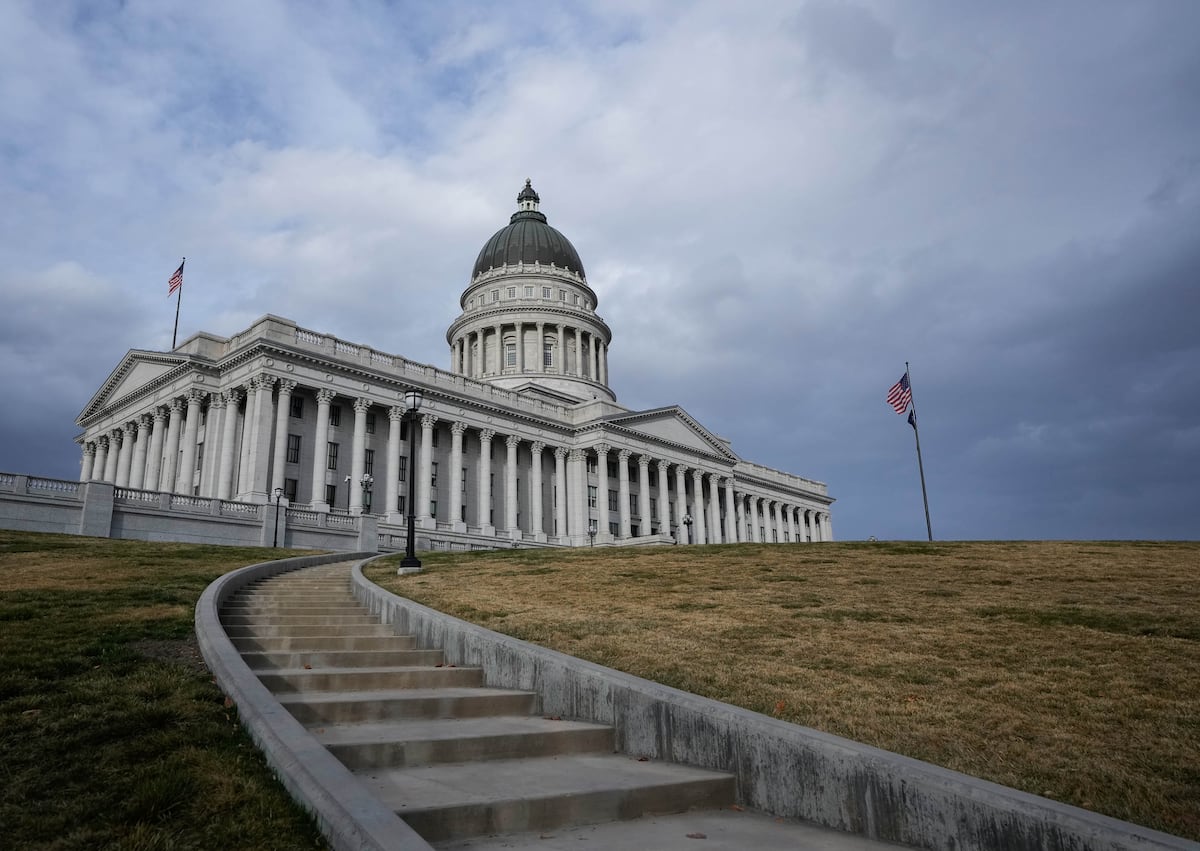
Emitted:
pixel 528 239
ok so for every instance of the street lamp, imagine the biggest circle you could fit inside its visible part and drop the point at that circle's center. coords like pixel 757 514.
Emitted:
pixel 412 404
pixel 687 521
pixel 366 482
pixel 278 496
pixel 592 534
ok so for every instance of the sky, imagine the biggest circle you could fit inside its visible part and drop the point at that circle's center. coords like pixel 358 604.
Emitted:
pixel 778 204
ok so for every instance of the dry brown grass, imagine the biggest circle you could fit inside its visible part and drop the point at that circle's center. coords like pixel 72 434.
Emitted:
pixel 1066 669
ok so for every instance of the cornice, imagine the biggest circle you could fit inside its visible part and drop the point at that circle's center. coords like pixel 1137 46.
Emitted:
pixel 183 364
pixel 491 313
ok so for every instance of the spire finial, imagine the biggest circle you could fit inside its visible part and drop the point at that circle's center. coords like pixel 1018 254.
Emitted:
pixel 528 198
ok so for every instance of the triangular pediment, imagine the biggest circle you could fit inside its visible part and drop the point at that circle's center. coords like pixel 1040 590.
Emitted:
pixel 137 370
pixel 673 425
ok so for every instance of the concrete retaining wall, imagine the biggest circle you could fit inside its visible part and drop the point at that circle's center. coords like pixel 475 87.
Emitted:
pixel 781 768
pixel 350 817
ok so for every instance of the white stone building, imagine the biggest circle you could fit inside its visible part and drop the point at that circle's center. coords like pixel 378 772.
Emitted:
pixel 521 439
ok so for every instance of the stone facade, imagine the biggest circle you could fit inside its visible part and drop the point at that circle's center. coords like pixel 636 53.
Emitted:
pixel 521 439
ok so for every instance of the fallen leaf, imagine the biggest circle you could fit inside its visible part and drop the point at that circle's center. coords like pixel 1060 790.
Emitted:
pixel 697 836
pixel 308 667
pixel 736 808
pixel 643 759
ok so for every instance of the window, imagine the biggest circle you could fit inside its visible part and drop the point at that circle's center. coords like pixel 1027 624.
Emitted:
pixel 403 467
pixel 433 474
pixel 562 295
pixel 404 429
pixel 577 299
pixel 331 456
pixel 612 500
pixel 293 449
pixel 330 494
pixel 199 456
pixel 471 304
pixel 591 496
pixel 633 501
pixel 510 354
pixel 296 410
pixel 433 508
pixel 591 465
pixel 401 501
pixel 370 423
pixel 495 295
pixel 529 292
pixel 653 478
pixel 290 486
pixel 335 415
pixel 369 462
pixel 653 508
pixel 512 292
pixel 433 438
pixel 545 292
pixel 612 469
pixel 612 528
pixel 547 354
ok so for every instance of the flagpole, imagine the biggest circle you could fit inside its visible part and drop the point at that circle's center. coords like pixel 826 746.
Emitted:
pixel 920 464
pixel 178 299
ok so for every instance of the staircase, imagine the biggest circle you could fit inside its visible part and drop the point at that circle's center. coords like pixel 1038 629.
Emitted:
pixel 455 759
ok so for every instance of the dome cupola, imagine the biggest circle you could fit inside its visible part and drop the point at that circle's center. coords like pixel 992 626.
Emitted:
pixel 528 239
pixel 529 320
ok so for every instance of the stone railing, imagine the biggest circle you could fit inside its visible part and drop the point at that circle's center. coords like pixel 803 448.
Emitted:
pixel 57 487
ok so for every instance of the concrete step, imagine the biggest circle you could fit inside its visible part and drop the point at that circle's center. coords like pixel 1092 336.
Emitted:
pixel 325 658
pixel 299 619
pixel 298 630
pixel 400 704
pixel 330 643
pixel 397 744
pixel 509 796
pixel 270 604
pixel 274 611
pixel 367 679
pixel 718 830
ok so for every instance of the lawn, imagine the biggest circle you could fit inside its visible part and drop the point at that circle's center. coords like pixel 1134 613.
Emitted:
pixel 1071 670
pixel 113 734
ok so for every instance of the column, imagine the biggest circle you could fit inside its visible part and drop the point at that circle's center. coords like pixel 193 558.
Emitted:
pixel 154 459
pixel 826 527
pixel 423 484
pixel 101 457
pixel 681 531
pixel 484 495
pixel 282 411
pixel 740 504
pixel 213 426
pixel 602 519
pixel 228 434
pixel 562 349
pixel 789 512
pixel 392 492
pixel 752 506
pixel 260 450
pixel 776 522
pixel 320 450
pixel 768 529
pixel 594 365
pixel 186 474
pixel 577 516
pixel 89 461
pixel 171 450
pixel 698 508
pixel 519 333
pixel 664 500
pixel 578 351
pixel 560 486
pixel 456 478
pixel 731 536
pixel 541 347
pixel 623 492
pixel 604 364
pixel 510 488
pixel 125 457
pixel 536 527
pixel 241 484
pixel 358 461
pixel 714 507
pixel 644 494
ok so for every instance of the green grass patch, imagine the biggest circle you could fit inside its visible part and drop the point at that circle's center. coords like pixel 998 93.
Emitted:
pixel 113 733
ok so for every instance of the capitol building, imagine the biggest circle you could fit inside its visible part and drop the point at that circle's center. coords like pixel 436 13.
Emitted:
pixel 520 442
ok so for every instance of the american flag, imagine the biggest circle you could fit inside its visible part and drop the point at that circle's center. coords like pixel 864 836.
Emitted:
pixel 176 280
pixel 900 395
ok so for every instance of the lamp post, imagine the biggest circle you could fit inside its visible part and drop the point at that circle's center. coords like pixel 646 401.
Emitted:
pixel 412 404
pixel 592 534
pixel 278 496
pixel 687 521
